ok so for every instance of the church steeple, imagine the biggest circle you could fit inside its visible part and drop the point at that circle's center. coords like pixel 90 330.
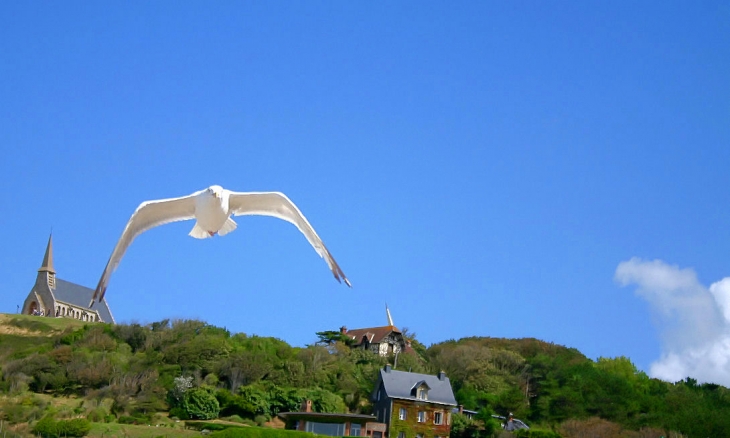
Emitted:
pixel 47 265
pixel 390 319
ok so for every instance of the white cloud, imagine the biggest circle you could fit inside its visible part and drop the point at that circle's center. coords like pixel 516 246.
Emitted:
pixel 693 320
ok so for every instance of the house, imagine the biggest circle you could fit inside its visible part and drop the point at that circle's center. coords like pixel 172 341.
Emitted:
pixel 332 424
pixel 384 341
pixel 465 412
pixel 413 405
pixel 53 297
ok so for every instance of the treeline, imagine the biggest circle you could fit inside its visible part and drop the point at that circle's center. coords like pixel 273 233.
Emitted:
pixel 552 385
pixel 193 369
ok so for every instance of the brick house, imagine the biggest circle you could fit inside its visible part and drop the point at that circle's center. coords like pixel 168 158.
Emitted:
pixel 413 405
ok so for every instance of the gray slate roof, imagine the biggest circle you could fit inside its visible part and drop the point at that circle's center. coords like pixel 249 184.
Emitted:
pixel 78 295
pixel 399 384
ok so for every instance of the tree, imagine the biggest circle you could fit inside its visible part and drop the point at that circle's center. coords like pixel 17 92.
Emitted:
pixel 331 337
pixel 201 404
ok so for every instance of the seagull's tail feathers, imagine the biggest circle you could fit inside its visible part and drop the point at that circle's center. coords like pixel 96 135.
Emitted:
pixel 198 233
pixel 227 227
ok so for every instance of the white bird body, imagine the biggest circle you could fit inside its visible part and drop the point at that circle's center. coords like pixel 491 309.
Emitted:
pixel 212 213
pixel 212 209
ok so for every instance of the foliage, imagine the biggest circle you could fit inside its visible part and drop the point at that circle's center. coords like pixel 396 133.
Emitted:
pixel 137 370
pixel 330 337
pixel 537 433
pixel 49 428
pixel 200 404
pixel 260 432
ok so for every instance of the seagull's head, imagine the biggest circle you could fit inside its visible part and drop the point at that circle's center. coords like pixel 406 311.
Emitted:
pixel 215 191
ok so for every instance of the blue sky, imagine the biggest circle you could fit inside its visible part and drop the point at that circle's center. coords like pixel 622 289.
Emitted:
pixel 556 170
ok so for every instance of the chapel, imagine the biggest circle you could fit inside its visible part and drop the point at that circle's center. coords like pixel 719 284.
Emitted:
pixel 56 298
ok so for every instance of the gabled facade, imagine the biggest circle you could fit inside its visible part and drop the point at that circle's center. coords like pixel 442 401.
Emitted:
pixel 53 297
pixel 413 405
pixel 384 341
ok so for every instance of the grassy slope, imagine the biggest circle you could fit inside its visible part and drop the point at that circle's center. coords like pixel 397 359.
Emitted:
pixel 21 333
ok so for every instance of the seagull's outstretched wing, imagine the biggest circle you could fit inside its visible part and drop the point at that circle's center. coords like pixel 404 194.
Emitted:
pixel 148 215
pixel 276 204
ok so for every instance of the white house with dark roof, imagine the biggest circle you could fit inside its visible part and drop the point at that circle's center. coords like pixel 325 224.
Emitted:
pixel 384 340
pixel 413 405
pixel 53 297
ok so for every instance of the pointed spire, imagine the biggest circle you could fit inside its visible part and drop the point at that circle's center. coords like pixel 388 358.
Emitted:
pixel 48 258
pixel 390 319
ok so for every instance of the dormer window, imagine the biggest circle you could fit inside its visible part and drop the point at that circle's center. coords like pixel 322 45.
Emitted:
pixel 420 390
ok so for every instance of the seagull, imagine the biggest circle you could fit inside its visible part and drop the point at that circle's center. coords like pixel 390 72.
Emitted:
pixel 212 209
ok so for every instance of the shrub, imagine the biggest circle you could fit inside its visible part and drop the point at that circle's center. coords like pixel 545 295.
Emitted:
pixel 201 404
pixel 126 419
pixel 76 427
pixel 260 432
pixel 97 415
pixel 536 433
pixel 46 427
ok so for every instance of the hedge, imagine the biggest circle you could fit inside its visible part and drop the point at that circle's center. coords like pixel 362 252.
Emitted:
pixel 260 432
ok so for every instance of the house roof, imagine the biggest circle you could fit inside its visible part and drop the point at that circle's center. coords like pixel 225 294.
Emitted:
pixel 78 295
pixel 328 416
pixel 399 384
pixel 373 334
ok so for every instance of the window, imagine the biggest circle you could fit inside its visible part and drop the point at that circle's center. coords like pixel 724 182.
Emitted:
pixel 355 429
pixel 422 393
pixel 421 416
pixel 419 435
pixel 331 429
pixel 401 435
pixel 402 414
pixel 438 417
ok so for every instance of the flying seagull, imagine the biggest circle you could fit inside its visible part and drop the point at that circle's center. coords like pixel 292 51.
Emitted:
pixel 212 209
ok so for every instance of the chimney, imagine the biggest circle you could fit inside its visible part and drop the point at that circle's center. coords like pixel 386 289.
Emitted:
pixel 442 375
pixel 307 406
pixel 343 330
pixel 387 368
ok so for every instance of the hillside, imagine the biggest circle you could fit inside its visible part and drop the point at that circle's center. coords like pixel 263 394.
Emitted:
pixel 113 374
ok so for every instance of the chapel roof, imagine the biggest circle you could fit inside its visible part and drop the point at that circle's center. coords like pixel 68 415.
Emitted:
pixel 80 296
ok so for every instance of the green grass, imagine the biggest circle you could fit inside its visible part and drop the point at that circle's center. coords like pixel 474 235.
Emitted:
pixel 21 335
pixel 108 430
pixel 39 323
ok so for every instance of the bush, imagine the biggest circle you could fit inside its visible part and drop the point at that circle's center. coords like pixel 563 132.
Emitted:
pixel 178 413
pixel 201 404
pixel 97 415
pixel 46 427
pixel 126 419
pixel 260 432
pixel 77 427
pixel 50 428
pixel 536 433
